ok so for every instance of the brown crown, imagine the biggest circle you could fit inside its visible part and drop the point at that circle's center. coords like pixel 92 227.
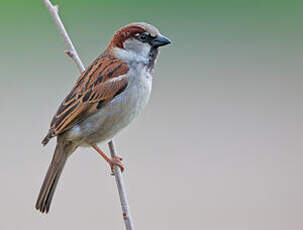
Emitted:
pixel 129 31
pixel 125 33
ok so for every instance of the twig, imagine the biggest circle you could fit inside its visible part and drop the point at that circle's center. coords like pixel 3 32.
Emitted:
pixel 121 188
pixel 71 52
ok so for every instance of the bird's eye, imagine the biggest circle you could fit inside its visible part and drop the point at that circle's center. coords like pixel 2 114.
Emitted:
pixel 142 37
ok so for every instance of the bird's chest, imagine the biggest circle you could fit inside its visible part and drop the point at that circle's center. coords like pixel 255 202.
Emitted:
pixel 132 101
pixel 118 113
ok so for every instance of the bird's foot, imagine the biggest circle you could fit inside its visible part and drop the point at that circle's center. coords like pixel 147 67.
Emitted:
pixel 111 161
pixel 116 161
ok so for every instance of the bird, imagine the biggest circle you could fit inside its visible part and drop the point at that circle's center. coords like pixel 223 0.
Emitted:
pixel 107 96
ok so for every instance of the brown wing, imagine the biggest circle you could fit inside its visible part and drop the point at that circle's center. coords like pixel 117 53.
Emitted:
pixel 97 85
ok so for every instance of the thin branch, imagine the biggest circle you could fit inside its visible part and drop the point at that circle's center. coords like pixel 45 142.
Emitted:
pixel 121 188
pixel 71 52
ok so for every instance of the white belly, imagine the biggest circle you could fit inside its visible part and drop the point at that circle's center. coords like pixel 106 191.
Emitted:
pixel 116 115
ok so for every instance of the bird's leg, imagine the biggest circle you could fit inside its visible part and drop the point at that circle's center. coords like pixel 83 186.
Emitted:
pixel 111 162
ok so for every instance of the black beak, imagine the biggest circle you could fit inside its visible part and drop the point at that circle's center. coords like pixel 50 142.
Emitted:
pixel 160 40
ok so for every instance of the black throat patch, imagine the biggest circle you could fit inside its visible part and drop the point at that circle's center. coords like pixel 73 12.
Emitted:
pixel 152 58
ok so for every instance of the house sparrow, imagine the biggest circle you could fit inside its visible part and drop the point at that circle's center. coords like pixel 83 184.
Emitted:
pixel 108 95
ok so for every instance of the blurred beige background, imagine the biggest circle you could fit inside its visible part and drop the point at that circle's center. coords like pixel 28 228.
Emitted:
pixel 218 147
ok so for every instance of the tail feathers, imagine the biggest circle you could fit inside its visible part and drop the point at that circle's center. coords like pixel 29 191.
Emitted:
pixel 52 177
pixel 46 139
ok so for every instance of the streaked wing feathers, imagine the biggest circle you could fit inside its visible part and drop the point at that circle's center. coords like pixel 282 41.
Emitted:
pixel 97 85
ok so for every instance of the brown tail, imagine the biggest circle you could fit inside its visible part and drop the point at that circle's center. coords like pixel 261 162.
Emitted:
pixel 51 179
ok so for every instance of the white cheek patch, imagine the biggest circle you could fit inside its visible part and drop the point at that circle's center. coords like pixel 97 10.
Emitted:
pixel 136 46
pixel 134 51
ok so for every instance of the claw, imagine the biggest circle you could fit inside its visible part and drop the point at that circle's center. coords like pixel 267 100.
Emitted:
pixel 112 162
pixel 116 161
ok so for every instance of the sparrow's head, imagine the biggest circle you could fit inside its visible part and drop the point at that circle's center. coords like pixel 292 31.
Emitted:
pixel 137 42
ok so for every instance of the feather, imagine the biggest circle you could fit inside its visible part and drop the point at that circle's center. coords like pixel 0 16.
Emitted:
pixel 103 80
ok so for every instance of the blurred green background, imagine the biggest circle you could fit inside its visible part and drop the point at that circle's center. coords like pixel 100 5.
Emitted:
pixel 218 147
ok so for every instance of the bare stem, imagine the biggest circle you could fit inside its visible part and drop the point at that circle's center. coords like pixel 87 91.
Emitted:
pixel 71 52
pixel 121 188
